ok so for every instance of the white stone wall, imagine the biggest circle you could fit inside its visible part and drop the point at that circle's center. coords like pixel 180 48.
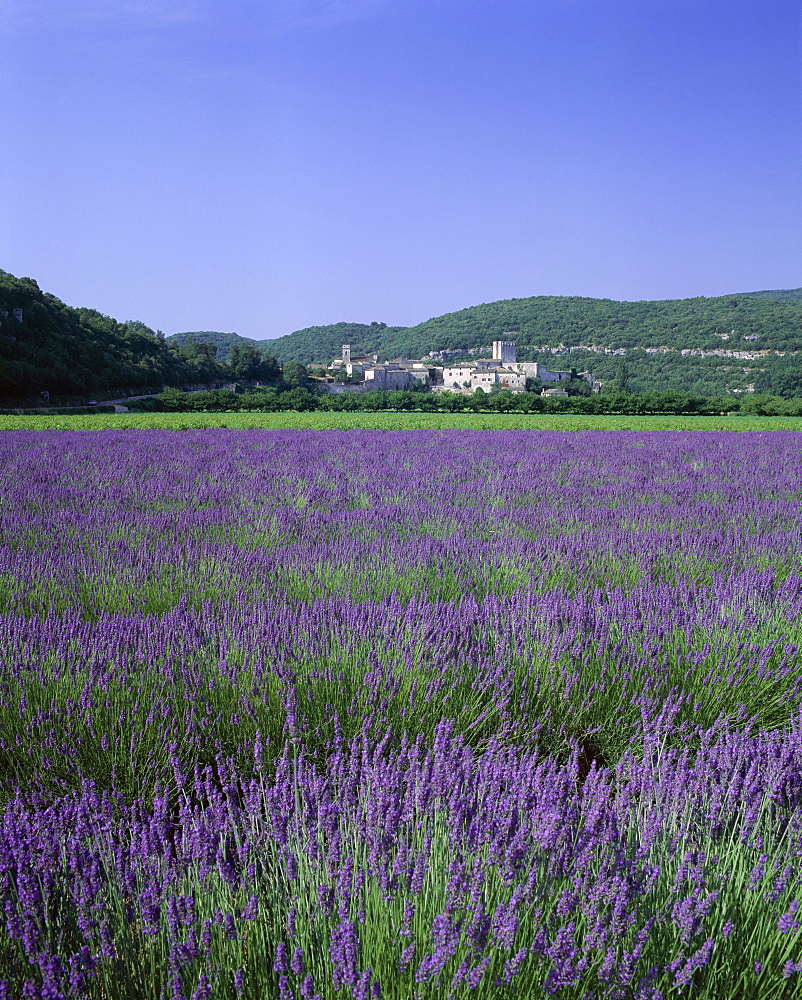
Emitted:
pixel 456 377
pixel 533 369
pixel 512 380
pixel 545 375
pixel 484 380
pixel 382 378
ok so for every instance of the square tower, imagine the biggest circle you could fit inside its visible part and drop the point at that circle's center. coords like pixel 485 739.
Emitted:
pixel 346 354
pixel 504 351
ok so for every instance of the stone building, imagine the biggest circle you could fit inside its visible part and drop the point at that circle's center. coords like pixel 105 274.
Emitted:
pixel 385 377
pixel 458 376
pixel 501 370
pixel 347 359
pixel 533 369
pixel 504 352
pixel 399 374
pixel 482 375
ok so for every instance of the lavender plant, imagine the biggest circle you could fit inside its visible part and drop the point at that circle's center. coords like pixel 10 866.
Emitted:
pixel 427 714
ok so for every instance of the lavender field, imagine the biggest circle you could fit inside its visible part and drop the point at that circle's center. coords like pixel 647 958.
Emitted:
pixel 437 713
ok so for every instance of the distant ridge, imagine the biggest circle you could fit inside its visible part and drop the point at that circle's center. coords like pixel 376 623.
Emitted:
pixel 222 341
pixel 772 317
pixel 779 295
pixel 732 343
pixel 545 320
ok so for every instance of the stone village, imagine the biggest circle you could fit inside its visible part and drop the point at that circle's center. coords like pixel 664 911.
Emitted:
pixel 501 370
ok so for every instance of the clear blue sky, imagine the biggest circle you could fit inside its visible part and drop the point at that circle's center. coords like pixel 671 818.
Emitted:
pixel 264 165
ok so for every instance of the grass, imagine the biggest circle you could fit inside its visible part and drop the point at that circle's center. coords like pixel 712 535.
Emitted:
pixel 387 421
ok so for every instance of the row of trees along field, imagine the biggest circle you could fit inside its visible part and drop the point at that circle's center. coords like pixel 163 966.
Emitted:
pixel 614 401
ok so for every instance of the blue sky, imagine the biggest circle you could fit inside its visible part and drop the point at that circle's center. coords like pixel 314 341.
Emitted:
pixel 264 165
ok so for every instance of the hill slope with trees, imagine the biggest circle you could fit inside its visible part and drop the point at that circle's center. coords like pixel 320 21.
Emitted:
pixel 780 294
pixel 554 330
pixel 224 342
pixel 49 347
pixel 51 352
pixel 553 321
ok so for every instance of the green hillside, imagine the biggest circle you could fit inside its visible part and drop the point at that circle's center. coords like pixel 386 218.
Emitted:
pixel 554 330
pixel 322 343
pixel 312 344
pixel 222 341
pixel 678 323
pixel 73 352
pixel 47 346
pixel 780 294
pixel 554 320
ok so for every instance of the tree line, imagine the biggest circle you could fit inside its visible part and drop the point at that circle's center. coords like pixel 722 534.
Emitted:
pixel 302 398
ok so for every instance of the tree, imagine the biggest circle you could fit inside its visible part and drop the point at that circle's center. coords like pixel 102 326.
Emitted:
pixel 247 364
pixel 298 399
pixel 271 369
pixel 295 373
pixel 577 386
pixel 199 362
pixel 782 377
pixel 761 404
pixel 172 400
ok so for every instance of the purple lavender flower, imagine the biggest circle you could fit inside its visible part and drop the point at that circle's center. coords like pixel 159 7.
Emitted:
pixel 407 955
pixel 297 961
pixel 203 990
pixel 474 977
pixel 788 921
pixel 239 981
pixel 294 595
pixel 445 939
pixel 344 950
pixel 698 960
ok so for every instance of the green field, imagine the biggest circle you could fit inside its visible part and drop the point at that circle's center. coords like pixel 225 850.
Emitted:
pixel 387 421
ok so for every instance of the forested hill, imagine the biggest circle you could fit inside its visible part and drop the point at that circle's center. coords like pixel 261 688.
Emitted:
pixel 222 341
pixel 780 294
pixel 569 321
pixel 315 343
pixel 47 346
pixel 322 343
